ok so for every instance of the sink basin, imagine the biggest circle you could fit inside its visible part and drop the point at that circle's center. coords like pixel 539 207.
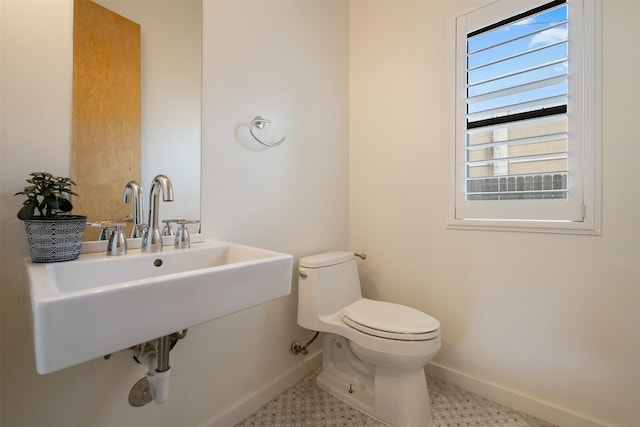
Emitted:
pixel 100 304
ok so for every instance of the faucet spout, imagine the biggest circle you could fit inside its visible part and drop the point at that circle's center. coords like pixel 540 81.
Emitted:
pixel 133 195
pixel 152 241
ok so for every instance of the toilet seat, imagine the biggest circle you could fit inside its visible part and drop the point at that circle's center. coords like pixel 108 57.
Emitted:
pixel 391 321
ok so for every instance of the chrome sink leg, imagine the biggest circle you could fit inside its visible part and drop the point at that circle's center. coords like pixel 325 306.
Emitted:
pixel 163 353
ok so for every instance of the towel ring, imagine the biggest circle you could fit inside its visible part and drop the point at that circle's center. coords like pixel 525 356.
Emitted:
pixel 259 122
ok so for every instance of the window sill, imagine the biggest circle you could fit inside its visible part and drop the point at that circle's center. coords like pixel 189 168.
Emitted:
pixel 549 227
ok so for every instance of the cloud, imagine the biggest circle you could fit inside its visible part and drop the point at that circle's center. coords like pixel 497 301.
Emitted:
pixel 527 21
pixel 551 35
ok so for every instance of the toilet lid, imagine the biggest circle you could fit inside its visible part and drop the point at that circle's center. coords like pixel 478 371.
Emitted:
pixel 389 320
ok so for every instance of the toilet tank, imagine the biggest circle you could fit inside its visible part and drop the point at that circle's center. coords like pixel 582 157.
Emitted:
pixel 327 283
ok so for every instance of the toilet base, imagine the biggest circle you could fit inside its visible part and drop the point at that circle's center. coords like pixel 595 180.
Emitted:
pixel 396 397
pixel 359 399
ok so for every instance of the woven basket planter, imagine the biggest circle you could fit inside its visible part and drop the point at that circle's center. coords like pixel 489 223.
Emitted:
pixel 55 239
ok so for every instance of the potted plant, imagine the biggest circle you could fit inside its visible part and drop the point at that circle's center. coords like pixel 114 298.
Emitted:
pixel 52 236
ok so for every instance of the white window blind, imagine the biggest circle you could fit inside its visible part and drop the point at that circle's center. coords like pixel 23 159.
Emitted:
pixel 516 137
pixel 520 140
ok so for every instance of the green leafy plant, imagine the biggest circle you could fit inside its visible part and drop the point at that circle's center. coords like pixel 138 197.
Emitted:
pixel 46 194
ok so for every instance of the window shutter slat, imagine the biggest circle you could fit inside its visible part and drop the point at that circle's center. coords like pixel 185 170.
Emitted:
pixel 537 104
pixel 518 90
pixel 515 55
pixel 507 40
pixel 518 72
pixel 518 141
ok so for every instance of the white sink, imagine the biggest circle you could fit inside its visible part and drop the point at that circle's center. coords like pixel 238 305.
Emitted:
pixel 100 304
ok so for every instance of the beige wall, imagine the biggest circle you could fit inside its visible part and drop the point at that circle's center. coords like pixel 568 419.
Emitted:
pixel 287 61
pixel 548 318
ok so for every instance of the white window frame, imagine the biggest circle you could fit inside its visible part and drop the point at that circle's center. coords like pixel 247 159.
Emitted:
pixel 580 212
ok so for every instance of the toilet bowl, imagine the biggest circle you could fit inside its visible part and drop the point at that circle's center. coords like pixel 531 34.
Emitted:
pixel 374 352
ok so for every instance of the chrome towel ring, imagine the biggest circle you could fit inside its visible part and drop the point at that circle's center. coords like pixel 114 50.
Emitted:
pixel 259 122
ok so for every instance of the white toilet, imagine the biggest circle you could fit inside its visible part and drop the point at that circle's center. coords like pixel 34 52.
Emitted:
pixel 374 352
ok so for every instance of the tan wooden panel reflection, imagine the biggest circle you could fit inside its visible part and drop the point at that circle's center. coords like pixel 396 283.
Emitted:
pixel 106 151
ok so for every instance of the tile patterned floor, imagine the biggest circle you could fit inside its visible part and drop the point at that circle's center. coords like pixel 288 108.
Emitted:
pixel 307 405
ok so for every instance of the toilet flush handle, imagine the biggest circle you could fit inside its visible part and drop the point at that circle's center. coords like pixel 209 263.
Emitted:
pixel 361 256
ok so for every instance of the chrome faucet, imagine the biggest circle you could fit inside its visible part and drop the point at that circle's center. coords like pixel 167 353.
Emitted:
pixel 152 240
pixel 133 194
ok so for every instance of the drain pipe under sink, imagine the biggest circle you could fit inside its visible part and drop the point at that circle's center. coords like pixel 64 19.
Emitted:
pixel 155 355
pixel 159 377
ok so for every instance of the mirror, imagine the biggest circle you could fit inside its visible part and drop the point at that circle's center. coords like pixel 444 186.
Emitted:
pixel 170 114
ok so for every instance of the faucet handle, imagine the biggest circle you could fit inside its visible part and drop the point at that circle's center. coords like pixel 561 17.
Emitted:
pixel 167 230
pixel 117 241
pixel 183 240
pixel 138 231
pixel 106 228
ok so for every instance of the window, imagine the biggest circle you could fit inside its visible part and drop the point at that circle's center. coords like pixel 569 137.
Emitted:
pixel 526 117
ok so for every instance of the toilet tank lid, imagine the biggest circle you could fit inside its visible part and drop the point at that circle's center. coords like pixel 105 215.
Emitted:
pixel 325 259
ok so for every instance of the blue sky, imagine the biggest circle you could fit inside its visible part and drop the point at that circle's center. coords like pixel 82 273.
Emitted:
pixel 536 32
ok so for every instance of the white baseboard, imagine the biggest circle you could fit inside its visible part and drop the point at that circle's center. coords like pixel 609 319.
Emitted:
pixel 531 406
pixel 259 397
pixel 540 409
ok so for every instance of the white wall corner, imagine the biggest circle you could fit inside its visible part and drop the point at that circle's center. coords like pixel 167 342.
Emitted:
pixel 259 397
